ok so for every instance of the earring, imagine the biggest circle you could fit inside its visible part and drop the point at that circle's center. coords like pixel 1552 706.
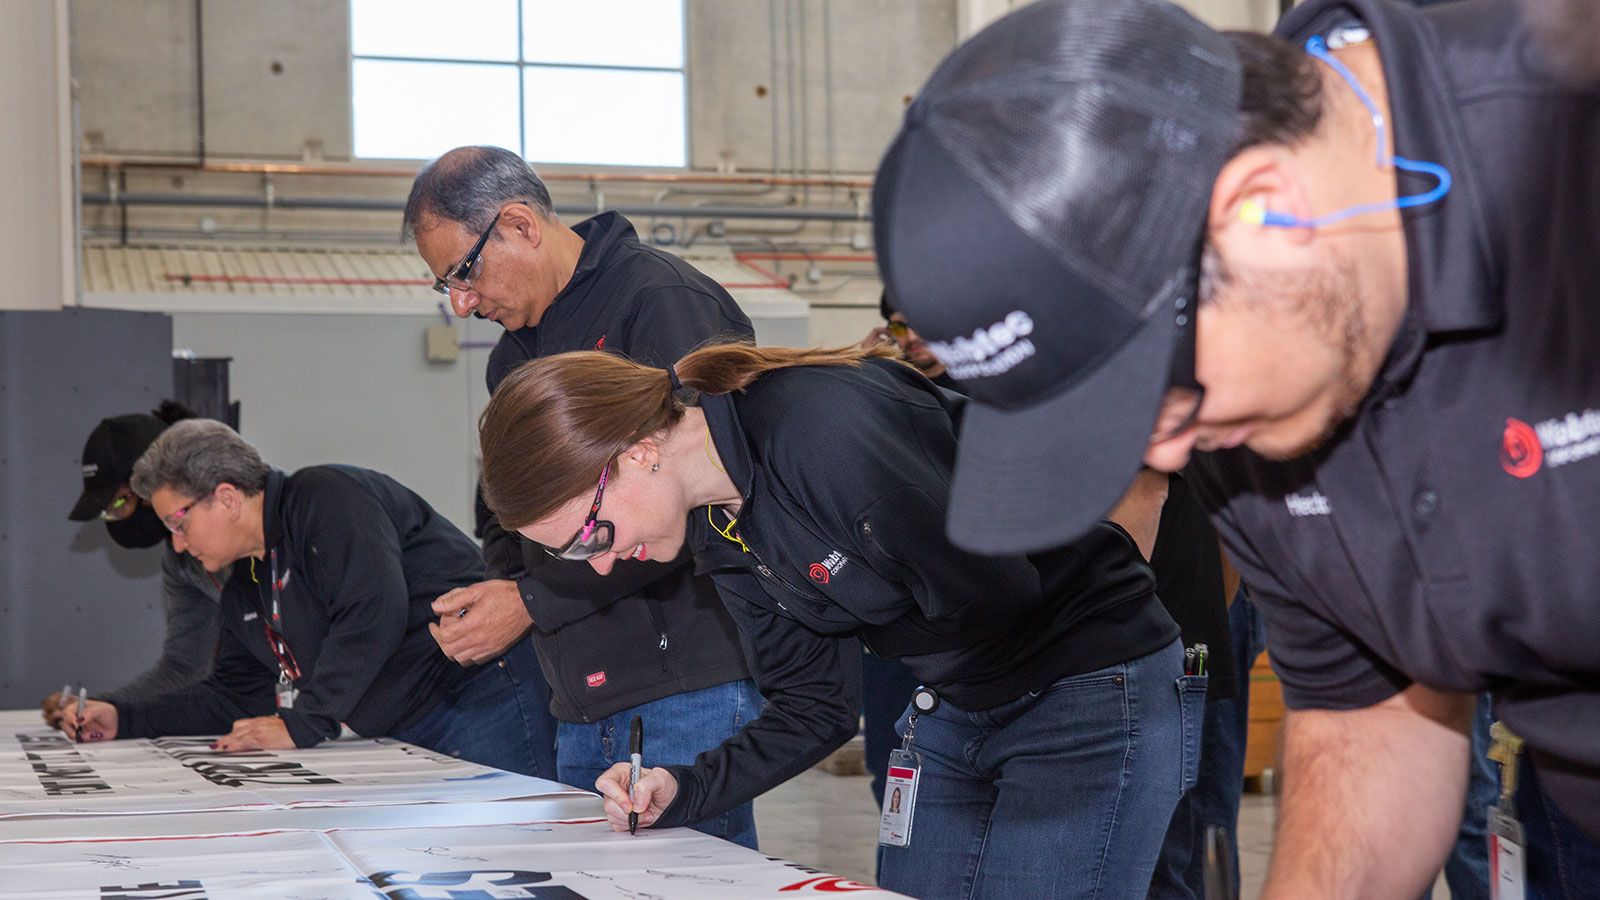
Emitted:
pixel 656 467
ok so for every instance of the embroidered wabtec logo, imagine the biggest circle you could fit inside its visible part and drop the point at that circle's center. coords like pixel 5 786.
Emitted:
pixel 1520 450
pixel 822 572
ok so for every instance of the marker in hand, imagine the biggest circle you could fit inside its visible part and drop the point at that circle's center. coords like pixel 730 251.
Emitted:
pixel 636 758
pixel 83 700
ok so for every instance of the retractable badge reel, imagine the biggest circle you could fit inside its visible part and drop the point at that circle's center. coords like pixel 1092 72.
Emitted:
pixel 1506 861
pixel 905 770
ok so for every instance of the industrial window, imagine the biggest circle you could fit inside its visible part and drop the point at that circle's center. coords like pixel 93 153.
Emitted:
pixel 590 82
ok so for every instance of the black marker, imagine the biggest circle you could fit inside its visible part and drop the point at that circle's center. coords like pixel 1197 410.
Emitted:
pixel 636 754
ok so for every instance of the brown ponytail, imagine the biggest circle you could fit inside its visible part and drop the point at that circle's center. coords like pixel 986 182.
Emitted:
pixel 554 423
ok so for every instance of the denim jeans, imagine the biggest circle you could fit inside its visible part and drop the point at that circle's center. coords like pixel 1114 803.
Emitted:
pixel 676 729
pixel 1181 849
pixel 1215 798
pixel 1562 863
pixel 1061 793
pixel 499 717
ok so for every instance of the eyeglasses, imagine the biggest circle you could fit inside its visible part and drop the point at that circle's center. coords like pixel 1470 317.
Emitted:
pixel 458 276
pixel 119 508
pixel 594 538
pixel 176 523
pixel 1180 406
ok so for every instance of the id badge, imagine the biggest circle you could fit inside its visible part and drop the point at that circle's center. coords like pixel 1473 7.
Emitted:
pixel 1506 881
pixel 899 798
pixel 286 694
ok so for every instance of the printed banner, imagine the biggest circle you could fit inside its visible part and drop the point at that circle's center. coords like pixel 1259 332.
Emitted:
pixel 42 772
pixel 544 861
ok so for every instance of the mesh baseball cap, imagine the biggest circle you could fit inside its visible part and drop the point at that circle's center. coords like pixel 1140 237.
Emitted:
pixel 1039 219
pixel 108 457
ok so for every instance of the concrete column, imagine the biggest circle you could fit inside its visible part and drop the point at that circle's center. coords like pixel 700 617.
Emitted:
pixel 36 197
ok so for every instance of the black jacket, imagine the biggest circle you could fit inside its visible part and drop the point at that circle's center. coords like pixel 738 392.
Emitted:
pixel 360 559
pixel 647 630
pixel 845 474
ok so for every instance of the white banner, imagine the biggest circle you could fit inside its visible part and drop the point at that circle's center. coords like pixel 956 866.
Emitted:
pixel 44 773
pixel 543 861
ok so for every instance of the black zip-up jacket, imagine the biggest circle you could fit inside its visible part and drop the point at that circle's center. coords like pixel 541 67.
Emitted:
pixel 845 475
pixel 648 630
pixel 360 560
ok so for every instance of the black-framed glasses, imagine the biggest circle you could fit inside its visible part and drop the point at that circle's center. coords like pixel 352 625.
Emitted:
pixel 459 275
pixel 594 538
pixel 1180 405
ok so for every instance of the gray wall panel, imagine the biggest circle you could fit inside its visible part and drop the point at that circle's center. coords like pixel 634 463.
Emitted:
pixel 73 605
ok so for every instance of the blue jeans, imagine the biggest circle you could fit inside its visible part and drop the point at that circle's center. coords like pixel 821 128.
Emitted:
pixel 676 729
pixel 499 717
pixel 1562 863
pixel 1215 798
pixel 1061 793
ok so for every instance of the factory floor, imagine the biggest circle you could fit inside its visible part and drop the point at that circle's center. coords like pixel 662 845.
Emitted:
pixel 829 822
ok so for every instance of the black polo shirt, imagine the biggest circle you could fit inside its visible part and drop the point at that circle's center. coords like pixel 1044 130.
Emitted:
pixel 1450 533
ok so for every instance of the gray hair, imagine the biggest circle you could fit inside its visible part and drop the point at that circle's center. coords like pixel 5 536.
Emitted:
pixel 194 456
pixel 469 185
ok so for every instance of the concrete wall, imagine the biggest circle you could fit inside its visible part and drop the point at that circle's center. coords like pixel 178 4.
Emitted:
pixel 74 606
pixel 36 194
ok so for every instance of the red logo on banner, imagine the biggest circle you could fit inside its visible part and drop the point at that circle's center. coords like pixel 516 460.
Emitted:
pixel 829 884
pixel 897 772
pixel 1520 451
pixel 596 679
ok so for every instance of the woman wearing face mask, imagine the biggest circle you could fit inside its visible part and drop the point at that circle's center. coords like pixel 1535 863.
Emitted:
pixel 190 594
pixel 812 487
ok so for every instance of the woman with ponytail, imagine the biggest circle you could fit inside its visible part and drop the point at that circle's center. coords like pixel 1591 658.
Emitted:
pixel 811 485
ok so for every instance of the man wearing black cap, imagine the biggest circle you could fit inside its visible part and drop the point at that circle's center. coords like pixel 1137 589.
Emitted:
pixel 1387 217
pixel 190 594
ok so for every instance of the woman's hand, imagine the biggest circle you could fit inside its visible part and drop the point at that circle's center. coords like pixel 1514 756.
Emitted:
pixel 654 792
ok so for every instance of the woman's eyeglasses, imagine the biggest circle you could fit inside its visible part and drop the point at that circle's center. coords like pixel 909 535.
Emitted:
pixel 594 538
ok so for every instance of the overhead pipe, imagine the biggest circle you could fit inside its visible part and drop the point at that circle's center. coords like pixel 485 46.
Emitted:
pixel 106 162
pixel 250 201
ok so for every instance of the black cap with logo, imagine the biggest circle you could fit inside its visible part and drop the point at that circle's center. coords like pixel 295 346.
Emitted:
pixel 108 457
pixel 1038 219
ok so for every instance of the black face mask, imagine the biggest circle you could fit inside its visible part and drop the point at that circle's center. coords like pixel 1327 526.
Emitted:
pixel 142 529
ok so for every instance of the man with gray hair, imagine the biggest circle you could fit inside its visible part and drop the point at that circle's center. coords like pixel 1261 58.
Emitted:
pixel 649 639
pixel 327 623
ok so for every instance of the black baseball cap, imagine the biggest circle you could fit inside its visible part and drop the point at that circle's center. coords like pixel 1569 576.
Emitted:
pixel 108 457
pixel 1038 219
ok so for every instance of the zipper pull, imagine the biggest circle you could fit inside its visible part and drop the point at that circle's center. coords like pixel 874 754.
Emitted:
pixel 663 640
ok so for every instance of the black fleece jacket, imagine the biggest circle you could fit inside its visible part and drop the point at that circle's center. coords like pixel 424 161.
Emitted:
pixel 845 474
pixel 647 630
pixel 360 559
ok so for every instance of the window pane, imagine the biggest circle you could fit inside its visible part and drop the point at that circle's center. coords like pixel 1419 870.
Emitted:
pixel 604 32
pixel 461 29
pixel 418 110
pixel 606 116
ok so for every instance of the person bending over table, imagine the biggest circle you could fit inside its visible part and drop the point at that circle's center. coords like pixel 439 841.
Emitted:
pixel 327 622
pixel 811 485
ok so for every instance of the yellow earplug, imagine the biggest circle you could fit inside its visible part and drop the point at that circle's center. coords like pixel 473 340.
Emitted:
pixel 1251 211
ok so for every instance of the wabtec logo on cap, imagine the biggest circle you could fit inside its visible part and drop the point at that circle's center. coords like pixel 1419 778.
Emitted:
pixel 989 351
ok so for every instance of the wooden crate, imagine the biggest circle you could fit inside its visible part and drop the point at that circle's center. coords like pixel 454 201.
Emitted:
pixel 1266 719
